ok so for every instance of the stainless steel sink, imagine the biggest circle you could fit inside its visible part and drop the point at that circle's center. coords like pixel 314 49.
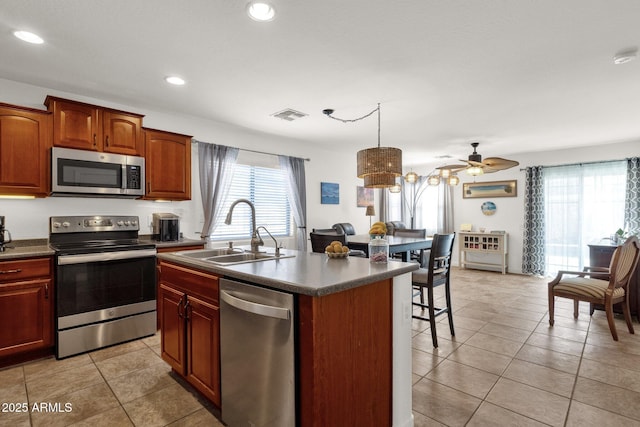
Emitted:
pixel 208 253
pixel 219 257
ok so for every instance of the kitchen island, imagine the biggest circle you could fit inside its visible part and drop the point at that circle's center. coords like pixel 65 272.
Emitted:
pixel 353 331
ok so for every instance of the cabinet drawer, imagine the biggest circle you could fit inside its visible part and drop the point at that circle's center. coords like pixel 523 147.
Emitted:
pixel 11 271
pixel 192 282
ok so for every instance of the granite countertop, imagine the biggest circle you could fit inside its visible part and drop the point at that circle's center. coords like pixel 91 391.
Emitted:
pixel 30 248
pixel 27 248
pixel 306 273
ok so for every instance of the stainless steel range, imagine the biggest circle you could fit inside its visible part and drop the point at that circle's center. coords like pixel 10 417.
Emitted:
pixel 105 282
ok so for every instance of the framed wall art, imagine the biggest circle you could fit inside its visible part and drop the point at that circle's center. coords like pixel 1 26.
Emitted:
pixel 484 190
pixel 364 197
pixel 329 193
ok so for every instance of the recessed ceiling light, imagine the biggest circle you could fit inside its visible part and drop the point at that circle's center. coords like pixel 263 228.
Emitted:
pixel 261 11
pixel 625 56
pixel 28 37
pixel 175 80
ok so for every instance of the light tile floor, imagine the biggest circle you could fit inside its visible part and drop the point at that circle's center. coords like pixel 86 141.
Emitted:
pixel 504 367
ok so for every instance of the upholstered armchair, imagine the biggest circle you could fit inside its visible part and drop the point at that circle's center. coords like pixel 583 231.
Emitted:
pixel 596 288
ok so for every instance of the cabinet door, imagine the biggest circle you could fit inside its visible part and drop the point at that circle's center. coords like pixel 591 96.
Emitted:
pixel 26 316
pixel 172 327
pixel 75 125
pixel 168 165
pixel 122 133
pixel 203 348
pixel 25 138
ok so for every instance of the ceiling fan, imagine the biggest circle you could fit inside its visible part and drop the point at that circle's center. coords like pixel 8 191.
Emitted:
pixel 476 166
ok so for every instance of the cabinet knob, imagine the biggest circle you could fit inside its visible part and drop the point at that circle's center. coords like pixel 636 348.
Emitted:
pixel 107 141
pixel 95 142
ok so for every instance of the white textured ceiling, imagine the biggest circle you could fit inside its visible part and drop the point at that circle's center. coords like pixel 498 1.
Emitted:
pixel 515 75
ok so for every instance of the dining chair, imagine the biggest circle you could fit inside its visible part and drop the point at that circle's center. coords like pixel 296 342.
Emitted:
pixel 345 228
pixel 591 286
pixel 392 226
pixel 320 240
pixel 436 273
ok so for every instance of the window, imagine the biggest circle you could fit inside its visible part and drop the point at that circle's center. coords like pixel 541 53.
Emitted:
pixel 426 207
pixel 265 187
pixel 583 204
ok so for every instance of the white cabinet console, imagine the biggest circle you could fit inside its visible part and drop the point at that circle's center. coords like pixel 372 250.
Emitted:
pixel 483 243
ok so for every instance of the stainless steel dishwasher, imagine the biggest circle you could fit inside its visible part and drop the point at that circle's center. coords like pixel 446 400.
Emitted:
pixel 257 356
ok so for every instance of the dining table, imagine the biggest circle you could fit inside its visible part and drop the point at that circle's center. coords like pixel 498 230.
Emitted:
pixel 397 244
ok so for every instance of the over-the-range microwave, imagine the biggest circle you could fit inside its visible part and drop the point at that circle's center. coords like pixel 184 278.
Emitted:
pixel 89 173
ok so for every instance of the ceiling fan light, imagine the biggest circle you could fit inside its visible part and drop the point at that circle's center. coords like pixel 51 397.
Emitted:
pixel 475 171
pixel 433 180
pixel 411 177
pixel 453 180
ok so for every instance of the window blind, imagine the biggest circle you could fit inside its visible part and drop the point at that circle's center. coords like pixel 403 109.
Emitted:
pixel 266 189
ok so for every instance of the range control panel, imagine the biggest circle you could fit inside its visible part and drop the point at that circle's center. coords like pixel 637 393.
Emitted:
pixel 83 224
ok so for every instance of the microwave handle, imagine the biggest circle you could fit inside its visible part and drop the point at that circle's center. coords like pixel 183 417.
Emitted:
pixel 124 177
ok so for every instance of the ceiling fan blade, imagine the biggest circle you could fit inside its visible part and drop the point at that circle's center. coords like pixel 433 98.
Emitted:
pixel 475 164
pixel 452 168
pixel 494 164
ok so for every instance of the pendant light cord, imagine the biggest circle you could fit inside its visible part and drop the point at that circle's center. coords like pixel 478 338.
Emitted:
pixel 328 112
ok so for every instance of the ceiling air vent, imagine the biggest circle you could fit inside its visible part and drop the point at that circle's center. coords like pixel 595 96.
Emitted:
pixel 289 115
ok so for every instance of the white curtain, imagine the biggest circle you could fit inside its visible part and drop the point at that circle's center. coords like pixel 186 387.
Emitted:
pixel 297 194
pixel 445 209
pixel 584 203
pixel 216 172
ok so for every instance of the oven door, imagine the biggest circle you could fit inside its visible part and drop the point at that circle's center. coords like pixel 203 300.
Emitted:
pixel 103 286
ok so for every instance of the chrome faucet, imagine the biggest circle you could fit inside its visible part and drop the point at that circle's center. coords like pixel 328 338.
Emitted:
pixel 256 241
pixel 270 235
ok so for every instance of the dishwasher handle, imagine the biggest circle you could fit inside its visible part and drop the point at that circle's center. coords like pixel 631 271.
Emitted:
pixel 255 308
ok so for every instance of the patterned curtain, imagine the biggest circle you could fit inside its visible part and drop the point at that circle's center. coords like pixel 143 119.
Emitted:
pixel 533 256
pixel 632 198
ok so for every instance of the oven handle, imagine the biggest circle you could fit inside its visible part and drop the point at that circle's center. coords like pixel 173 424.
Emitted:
pixel 104 256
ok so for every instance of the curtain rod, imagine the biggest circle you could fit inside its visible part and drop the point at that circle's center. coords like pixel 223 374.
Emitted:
pixel 193 141
pixel 579 164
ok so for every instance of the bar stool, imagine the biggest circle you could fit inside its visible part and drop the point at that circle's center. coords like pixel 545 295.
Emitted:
pixel 436 273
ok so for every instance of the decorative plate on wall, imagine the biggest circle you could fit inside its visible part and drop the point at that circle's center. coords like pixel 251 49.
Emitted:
pixel 488 208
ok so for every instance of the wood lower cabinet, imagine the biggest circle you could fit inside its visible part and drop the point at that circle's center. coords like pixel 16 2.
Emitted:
pixel 26 309
pixel 25 139
pixel 168 165
pixel 190 326
pixel 90 127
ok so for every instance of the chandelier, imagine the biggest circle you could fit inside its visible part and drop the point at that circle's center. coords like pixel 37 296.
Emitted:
pixel 378 166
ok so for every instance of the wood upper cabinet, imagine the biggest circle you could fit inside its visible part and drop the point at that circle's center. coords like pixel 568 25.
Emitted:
pixel 168 165
pixel 25 139
pixel 26 306
pixel 89 127
pixel 190 326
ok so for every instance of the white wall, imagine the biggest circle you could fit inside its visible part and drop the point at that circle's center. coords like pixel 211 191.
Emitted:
pixel 28 219
pixel 509 215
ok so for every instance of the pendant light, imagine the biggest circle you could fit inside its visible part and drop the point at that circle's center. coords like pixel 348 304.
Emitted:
pixel 378 166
